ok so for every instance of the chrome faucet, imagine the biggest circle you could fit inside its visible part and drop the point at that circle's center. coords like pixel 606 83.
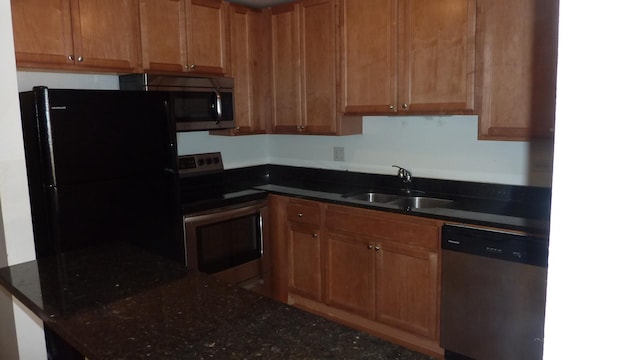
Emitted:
pixel 405 176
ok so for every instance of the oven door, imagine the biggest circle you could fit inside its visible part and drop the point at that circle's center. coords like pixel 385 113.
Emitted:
pixel 229 241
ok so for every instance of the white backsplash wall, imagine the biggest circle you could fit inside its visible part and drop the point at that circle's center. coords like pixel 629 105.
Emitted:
pixel 237 151
pixel 442 147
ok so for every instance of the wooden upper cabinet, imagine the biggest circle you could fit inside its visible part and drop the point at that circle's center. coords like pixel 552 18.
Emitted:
pixel 77 34
pixel 517 59
pixel 207 36
pixel 164 38
pixel 437 50
pixel 285 69
pixel 408 56
pixel 369 55
pixel 305 70
pixel 249 70
pixel 185 36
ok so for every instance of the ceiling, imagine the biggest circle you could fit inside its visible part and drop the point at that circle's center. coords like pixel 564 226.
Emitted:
pixel 260 3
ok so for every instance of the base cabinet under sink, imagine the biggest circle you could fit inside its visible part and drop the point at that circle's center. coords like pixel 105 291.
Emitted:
pixel 372 270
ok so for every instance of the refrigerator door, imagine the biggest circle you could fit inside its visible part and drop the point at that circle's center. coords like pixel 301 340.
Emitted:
pixel 102 168
pixel 141 211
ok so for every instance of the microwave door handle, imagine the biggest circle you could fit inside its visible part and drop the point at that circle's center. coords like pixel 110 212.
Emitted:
pixel 218 106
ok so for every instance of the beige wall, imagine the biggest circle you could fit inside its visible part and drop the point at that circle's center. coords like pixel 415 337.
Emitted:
pixel 20 332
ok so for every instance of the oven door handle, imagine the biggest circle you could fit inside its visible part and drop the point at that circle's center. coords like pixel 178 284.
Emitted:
pixel 226 213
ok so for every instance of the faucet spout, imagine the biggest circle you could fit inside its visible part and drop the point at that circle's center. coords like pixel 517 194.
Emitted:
pixel 405 176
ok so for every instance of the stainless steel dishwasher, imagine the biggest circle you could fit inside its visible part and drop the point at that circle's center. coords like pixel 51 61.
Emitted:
pixel 493 294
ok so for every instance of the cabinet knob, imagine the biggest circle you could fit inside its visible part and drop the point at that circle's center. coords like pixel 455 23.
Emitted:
pixel 405 106
pixel 301 127
pixel 391 107
pixel 70 57
pixel 370 246
pixel 300 214
pixel 80 58
pixel 315 235
pixel 185 67
pixel 192 67
pixel 237 128
pixel 377 248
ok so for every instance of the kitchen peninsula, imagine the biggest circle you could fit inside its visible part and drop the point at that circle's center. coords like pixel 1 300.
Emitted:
pixel 118 302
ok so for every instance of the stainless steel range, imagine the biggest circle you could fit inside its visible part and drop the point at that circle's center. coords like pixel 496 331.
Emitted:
pixel 225 233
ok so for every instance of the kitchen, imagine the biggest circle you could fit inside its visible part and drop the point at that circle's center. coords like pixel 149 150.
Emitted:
pixel 470 162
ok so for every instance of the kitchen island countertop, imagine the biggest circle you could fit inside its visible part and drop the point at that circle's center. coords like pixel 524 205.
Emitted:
pixel 119 302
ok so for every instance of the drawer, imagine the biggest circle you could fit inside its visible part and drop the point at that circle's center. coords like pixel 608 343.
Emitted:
pixel 304 211
pixel 403 229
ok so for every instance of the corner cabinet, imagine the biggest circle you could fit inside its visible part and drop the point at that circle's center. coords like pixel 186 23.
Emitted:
pixel 185 36
pixel 408 57
pixel 79 35
pixel 517 60
pixel 305 70
pixel 373 270
pixel 249 70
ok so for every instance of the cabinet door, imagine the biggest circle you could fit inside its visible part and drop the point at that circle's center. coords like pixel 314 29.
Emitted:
pixel 163 33
pixel 207 36
pixel 106 34
pixel 42 32
pixel 350 274
pixel 318 24
pixel 369 56
pixel 437 56
pixel 407 288
pixel 305 270
pixel 247 53
pixel 286 114
pixel 517 58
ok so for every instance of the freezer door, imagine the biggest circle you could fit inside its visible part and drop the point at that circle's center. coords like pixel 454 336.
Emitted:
pixel 99 135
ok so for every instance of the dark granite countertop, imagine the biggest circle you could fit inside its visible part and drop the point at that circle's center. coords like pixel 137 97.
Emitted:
pixel 509 207
pixel 457 212
pixel 118 302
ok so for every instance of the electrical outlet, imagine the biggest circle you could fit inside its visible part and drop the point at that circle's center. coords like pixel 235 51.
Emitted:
pixel 338 153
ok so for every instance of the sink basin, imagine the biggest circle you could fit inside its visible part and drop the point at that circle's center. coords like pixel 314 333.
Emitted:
pixel 421 202
pixel 374 197
pixel 405 202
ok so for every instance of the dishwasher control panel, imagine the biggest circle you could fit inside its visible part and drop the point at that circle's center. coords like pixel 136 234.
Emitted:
pixel 508 246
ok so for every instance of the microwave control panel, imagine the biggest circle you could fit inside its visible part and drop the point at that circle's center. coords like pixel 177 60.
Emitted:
pixel 200 163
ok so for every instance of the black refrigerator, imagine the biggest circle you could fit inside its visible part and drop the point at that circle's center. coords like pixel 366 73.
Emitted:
pixel 101 167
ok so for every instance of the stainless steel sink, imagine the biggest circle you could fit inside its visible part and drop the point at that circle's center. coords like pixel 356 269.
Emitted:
pixel 421 202
pixel 405 202
pixel 374 197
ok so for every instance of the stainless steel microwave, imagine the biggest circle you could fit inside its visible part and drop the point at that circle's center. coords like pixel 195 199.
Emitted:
pixel 197 103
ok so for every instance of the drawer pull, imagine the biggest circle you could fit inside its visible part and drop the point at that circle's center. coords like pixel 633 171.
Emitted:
pixel 300 214
pixel 315 235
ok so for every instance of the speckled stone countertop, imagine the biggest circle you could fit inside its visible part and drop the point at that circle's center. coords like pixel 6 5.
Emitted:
pixel 118 302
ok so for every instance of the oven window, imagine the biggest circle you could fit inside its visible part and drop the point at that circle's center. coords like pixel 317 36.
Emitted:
pixel 229 243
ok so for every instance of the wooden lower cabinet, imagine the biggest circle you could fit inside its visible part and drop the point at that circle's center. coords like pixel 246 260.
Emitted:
pixel 376 271
pixel 350 274
pixel 406 291
pixel 305 270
